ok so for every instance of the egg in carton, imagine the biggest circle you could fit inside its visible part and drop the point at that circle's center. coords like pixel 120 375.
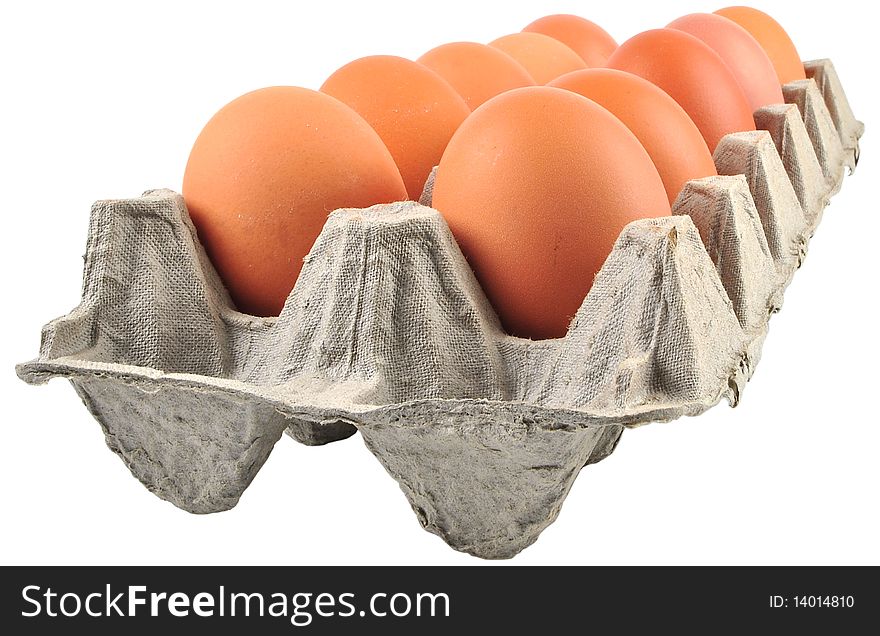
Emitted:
pixel 387 332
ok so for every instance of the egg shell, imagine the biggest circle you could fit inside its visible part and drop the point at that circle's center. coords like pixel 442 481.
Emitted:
pixel 740 51
pixel 414 110
pixel 262 176
pixel 693 75
pixel 542 56
pixel 672 140
pixel 590 41
pixel 536 186
pixel 476 71
pixel 772 38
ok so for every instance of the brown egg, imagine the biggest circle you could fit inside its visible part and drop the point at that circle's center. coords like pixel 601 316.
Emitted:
pixel 536 186
pixel 772 38
pixel 740 51
pixel 590 41
pixel 262 177
pixel 414 110
pixel 672 140
pixel 543 57
pixel 693 75
pixel 476 71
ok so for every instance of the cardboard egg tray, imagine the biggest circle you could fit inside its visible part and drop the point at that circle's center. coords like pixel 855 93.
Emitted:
pixel 387 332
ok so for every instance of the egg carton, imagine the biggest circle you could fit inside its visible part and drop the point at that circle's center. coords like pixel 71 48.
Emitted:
pixel 388 332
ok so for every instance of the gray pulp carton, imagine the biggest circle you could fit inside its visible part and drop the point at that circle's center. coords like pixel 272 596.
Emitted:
pixel 387 332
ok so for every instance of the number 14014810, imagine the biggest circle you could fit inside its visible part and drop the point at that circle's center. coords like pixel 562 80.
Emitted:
pixel 812 601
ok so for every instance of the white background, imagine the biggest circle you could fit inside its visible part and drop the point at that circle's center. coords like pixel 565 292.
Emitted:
pixel 103 100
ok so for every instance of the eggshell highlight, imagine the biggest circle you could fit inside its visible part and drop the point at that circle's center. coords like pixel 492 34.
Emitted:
pixel 536 186
pixel 672 140
pixel 262 176
pixel 544 58
pixel 476 71
pixel 692 74
pixel 772 38
pixel 740 51
pixel 590 41
pixel 414 110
